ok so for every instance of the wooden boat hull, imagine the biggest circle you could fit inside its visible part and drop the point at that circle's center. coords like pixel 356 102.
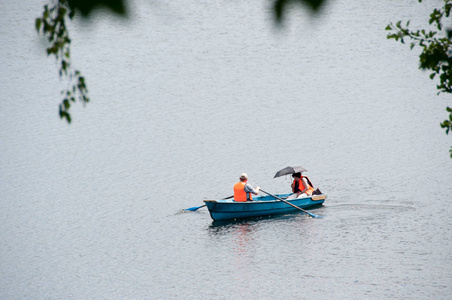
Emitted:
pixel 260 206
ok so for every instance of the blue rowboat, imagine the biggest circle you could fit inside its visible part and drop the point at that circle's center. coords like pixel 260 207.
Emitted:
pixel 260 206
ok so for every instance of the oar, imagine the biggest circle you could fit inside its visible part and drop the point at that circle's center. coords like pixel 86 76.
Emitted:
pixel 305 211
pixel 195 208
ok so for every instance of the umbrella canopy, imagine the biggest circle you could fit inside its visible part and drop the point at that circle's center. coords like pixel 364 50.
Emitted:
pixel 290 170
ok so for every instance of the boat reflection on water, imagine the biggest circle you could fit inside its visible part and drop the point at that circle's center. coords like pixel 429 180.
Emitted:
pixel 226 225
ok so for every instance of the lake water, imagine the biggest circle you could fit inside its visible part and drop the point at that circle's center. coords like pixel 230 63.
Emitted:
pixel 187 95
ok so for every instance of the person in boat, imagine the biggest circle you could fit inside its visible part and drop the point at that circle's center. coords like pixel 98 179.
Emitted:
pixel 301 186
pixel 243 191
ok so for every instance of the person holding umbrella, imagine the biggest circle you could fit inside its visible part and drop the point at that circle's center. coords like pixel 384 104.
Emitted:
pixel 301 185
pixel 243 190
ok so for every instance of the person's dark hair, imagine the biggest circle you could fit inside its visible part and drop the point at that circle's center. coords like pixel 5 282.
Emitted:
pixel 296 175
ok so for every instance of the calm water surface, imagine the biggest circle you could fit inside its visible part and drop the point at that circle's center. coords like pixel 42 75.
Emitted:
pixel 188 95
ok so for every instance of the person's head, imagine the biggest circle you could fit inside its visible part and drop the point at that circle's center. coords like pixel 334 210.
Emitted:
pixel 296 175
pixel 243 177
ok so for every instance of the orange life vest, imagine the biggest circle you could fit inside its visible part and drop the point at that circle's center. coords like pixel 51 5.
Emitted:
pixel 301 186
pixel 239 192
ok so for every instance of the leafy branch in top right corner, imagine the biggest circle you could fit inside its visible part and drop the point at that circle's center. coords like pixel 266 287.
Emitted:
pixel 436 54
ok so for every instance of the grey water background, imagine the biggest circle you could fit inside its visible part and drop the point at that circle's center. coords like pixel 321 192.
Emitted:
pixel 186 95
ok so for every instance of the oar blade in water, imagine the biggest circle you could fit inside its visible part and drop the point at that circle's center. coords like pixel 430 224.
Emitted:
pixel 195 208
pixel 313 215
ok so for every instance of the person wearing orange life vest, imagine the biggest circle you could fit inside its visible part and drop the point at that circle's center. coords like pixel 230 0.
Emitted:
pixel 243 191
pixel 301 185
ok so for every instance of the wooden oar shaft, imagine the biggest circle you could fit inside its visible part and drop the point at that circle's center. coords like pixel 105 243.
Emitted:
pixel 287 202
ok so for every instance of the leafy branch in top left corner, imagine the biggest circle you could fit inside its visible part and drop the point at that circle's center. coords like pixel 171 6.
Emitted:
pixel 52 25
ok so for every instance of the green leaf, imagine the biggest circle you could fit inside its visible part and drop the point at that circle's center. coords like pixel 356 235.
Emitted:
pixel 86 7
pixel 278 9
pixel 38 24
pixel 66 104
pixel 65 115
pixel 62 12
